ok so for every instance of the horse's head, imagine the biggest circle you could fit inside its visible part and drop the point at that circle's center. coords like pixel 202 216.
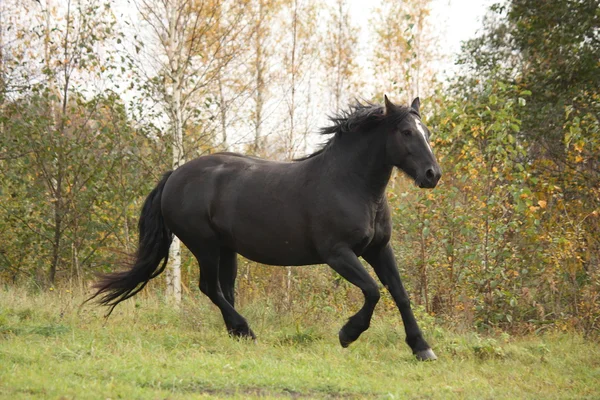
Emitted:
pixel 407 144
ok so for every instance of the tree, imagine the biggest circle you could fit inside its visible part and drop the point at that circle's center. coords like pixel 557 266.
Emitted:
pixel 339 57
pixel 261 45
pixel 297 61
pixel 550 51
pixel 553 59
pixel 188 52
pixel 68 146
pixel 404 48
pixel 515 219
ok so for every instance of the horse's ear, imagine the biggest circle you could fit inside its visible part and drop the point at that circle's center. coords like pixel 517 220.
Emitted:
pixel 389 106
pixel 416 104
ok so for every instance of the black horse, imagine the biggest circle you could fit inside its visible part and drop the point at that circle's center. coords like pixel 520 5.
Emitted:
pixel 329 207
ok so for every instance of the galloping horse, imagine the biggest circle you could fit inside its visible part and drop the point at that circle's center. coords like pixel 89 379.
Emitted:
pixel 329 207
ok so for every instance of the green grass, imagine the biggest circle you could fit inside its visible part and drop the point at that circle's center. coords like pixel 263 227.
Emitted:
pixel 49 348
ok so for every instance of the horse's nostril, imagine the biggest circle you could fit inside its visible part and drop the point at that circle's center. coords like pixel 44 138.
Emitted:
pixel 430 174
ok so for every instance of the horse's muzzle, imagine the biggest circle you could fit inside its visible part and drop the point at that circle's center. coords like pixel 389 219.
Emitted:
pixel 431 178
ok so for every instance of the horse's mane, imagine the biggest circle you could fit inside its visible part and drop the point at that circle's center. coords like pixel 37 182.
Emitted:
pixel 357 115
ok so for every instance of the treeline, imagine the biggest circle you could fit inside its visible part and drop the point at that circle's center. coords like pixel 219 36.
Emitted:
pixel 96 101
pixel 511 239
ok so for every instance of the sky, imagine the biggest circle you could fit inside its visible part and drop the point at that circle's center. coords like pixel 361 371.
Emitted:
pixel 459 20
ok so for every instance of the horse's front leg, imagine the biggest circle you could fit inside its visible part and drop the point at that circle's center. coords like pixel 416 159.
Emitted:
pixel 345 263
pixel 383 262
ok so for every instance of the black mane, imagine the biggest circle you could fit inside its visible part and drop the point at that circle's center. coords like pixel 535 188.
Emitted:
pixel 357 115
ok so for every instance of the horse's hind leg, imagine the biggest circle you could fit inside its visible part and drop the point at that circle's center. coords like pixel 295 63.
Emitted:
pixel 345 263
pixel 227 274
pixel 208 258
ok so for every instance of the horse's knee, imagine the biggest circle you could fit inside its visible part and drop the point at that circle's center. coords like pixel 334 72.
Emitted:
pixel 372 295
pixel 403 303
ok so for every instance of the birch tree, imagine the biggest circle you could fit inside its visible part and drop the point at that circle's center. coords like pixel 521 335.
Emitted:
pixel 186 55
pixel 298 63
pixel 404 47
pixel 262 45
pixel 340 53
pixel 233 83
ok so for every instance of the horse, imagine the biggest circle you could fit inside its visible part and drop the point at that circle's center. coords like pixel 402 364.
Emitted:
pixel 327 208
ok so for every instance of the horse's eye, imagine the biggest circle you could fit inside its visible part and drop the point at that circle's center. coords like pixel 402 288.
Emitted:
pixel 407 133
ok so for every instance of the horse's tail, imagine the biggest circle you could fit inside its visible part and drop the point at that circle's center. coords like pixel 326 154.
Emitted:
pixel 154 242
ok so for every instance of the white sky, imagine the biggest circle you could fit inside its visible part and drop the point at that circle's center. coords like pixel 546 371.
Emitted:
pixel 459 21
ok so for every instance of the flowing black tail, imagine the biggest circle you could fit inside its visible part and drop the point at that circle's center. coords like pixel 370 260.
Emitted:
pixel 155 240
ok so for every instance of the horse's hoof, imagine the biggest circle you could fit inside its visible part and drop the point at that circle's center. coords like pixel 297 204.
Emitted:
pixel 245 333
pixel 425 355
pixel 345 341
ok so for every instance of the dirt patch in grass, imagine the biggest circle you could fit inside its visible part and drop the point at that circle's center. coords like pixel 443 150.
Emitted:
pixel 284 393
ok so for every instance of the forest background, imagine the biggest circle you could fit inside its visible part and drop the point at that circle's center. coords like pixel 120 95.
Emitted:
pixel 98 100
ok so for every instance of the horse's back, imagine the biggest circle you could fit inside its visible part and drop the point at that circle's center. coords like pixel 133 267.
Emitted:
pixel 194 186
pixel 256 207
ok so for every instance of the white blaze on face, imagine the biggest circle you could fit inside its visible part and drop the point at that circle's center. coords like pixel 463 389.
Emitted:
pixel 421 130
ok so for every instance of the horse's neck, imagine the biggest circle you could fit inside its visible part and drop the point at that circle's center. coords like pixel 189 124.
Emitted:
pixel 361 164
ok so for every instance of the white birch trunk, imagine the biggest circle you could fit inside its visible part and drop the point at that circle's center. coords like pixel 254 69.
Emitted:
pixel 174 268
pixel 258 36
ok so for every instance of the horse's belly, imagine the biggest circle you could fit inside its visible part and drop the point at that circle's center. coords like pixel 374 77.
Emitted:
pixel 268 229
pixel 284 253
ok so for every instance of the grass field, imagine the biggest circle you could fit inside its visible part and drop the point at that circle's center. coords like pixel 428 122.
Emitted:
pixel 49 348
